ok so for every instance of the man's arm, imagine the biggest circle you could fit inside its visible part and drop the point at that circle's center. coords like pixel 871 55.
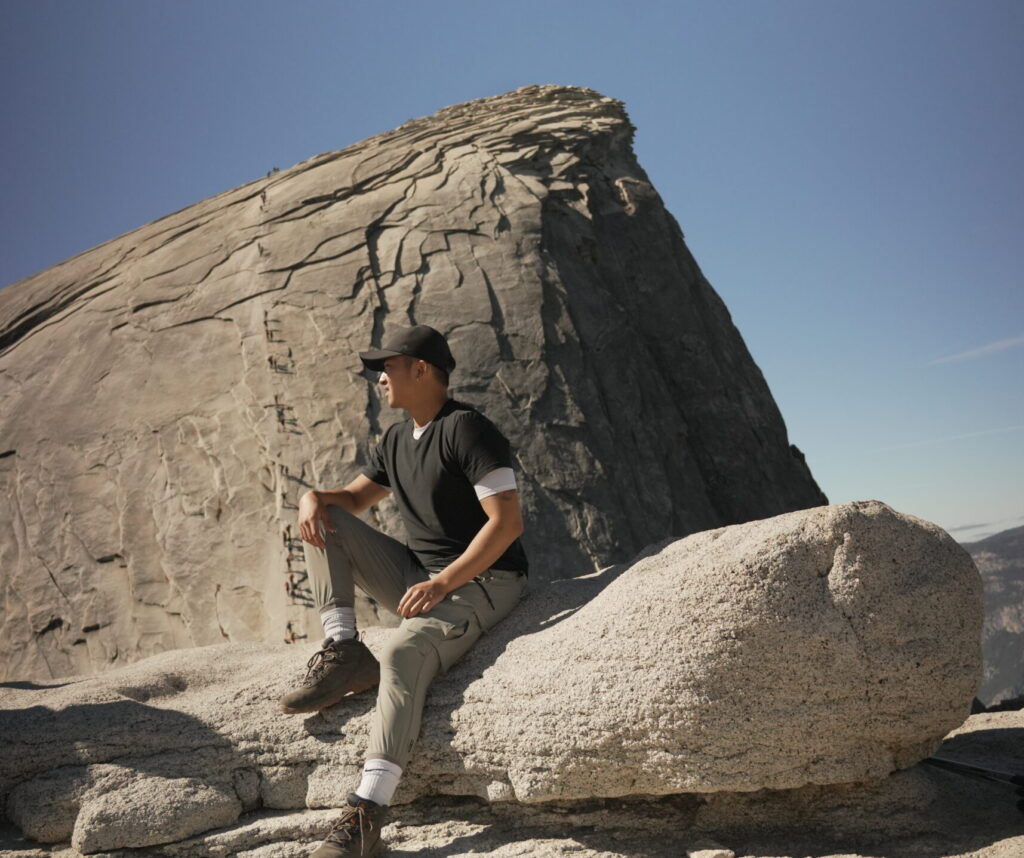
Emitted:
pixel 503 526
pixel 358 496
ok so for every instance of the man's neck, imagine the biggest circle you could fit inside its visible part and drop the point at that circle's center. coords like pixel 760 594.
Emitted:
pixel 423 412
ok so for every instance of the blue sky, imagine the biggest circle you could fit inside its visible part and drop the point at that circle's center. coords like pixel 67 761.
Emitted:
pixel 849 175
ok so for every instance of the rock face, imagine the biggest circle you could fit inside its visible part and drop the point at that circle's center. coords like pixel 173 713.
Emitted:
pixel 166 397
pixel 818 647
pixel 1000 560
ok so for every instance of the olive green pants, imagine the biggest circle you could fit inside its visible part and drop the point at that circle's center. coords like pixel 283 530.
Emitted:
pixel 421 646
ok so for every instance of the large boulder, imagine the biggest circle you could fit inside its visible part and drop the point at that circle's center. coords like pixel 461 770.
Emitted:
pixel 166 397
pixel 818 647
pixel 823 646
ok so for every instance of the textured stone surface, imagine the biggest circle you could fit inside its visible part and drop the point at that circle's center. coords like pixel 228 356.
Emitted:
pixel 149 810
pixel 166 397
pixel 823 646
pixel 829 645
pixel 919 812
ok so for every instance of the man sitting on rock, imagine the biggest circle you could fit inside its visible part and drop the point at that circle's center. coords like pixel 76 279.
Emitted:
pixel 463 567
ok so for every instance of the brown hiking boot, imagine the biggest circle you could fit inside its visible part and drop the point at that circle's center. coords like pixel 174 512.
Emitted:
pixel 336 669
pixel 357 833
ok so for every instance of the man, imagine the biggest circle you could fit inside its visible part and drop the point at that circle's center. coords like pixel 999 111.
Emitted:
pixel 462 569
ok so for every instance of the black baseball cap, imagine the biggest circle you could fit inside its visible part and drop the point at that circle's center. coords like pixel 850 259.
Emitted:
pixel 421 342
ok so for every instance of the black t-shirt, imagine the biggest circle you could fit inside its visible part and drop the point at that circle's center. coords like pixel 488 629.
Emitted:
pixel 432 478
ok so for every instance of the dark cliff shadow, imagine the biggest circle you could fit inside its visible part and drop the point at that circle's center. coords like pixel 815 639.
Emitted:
pixel 996 744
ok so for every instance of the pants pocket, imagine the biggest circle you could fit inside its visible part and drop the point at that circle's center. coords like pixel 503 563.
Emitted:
pixel 492 597
pixel 451 631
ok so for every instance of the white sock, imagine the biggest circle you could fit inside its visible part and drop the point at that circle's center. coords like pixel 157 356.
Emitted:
pixel 339 623
pixel 380 780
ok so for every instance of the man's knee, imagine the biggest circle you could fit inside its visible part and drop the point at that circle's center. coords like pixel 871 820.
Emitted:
pixel 341 520
pixel 445 639
pixel 407 651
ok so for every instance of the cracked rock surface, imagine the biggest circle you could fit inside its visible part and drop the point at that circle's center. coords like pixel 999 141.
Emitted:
pixel 166 397
pixel 820 647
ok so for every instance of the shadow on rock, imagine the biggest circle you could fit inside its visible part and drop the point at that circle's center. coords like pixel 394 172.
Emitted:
pixel 328 725
pixel 869 821
pixel 25 685
pixel 104 759
pixel 39 739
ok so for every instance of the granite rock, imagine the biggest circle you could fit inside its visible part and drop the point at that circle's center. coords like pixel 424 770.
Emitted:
pixel 823 646
pixel 819 647
pixel 166 397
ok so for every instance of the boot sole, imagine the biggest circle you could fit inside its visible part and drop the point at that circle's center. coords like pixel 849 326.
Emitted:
pixel 331 701
pixel 374 852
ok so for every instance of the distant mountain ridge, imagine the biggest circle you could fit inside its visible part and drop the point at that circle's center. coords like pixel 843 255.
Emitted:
pixel 1000 560
pixel 1008 543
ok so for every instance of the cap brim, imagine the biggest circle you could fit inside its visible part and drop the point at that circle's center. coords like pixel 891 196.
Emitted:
pixel 374 359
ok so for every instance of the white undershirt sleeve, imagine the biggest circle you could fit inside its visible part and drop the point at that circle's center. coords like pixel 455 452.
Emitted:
pixel 498 480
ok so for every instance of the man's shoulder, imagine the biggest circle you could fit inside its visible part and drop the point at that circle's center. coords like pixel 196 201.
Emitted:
pixel 455 411
pixel 459 415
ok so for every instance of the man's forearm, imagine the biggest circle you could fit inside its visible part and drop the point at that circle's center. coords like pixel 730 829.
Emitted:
pixel 338 497
pixel 490 542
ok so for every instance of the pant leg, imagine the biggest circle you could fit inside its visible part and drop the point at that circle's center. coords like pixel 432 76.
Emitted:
pixel 359 554
pixel 423 646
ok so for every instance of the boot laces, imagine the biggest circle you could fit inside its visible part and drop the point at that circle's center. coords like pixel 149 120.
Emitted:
pixel 354 820
pixel 318 662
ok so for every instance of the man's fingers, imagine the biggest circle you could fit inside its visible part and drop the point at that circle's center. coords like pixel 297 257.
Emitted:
pixel 310 532
pixel 403 605
pixel 417 600
pixel 310 524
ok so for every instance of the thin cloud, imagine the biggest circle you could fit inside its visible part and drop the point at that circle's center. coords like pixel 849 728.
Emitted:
pixel 928 441
pixel 990 529
pixel 969 527
pixel 997 346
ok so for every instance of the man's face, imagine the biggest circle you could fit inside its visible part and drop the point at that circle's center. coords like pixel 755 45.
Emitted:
pixel 397 380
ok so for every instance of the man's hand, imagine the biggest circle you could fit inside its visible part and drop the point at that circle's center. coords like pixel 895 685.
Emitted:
pixel 504 524
pixel 312 513
pixel 420 598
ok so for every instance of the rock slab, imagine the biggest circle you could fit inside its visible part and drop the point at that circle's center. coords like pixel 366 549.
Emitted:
pixel 165 398
pixel 819 647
